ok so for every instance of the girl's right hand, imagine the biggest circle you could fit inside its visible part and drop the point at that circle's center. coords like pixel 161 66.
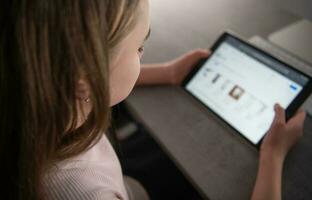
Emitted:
pixel 282 136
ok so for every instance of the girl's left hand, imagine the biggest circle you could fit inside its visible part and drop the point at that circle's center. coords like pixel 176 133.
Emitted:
pixel 177 69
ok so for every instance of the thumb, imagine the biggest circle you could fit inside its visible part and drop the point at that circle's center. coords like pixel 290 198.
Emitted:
pixel 279 115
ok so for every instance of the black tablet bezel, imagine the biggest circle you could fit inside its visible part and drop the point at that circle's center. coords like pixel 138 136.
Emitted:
pixel 291 109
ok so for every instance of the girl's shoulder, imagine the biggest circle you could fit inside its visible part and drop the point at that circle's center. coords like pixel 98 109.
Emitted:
pixel 82 183
pixel 95 173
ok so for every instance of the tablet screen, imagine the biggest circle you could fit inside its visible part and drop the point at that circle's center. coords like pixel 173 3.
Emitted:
pixel 241 85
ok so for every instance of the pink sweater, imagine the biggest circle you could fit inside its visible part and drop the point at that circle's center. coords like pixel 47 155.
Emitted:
pixel 95 174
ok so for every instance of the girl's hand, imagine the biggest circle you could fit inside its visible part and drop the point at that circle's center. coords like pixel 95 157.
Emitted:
pixel 172 72
pixel 176 70
pixel 282 136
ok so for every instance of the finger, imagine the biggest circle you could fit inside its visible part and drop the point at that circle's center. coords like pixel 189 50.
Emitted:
pixel 190 59
pixel 298 119
pixel 300 110
pixel 195 55
pixel 199 53
pixel 279 114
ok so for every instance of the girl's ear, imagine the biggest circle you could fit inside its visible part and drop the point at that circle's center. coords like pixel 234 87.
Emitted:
pixel 84 106
pixel 83 91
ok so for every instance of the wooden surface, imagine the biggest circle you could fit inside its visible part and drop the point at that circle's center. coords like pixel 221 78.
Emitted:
pixel 208 153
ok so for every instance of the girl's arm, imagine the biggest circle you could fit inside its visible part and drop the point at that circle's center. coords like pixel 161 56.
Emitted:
pixel 281 137
pixel 153 74
pixel 269 179
pixel 173 72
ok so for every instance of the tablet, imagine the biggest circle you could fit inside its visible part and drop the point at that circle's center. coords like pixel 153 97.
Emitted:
pixel 241 84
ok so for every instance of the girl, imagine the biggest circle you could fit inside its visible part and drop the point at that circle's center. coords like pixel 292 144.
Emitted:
pixel 63 64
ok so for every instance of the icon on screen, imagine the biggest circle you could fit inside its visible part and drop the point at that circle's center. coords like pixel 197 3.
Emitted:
pixel 237 92
pixel 293 87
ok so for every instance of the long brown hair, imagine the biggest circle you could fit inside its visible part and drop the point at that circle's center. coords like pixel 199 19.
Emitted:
pixel 45 47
